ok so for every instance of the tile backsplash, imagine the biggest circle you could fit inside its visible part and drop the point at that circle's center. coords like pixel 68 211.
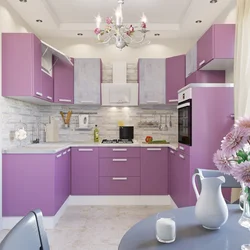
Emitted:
pixel 17 114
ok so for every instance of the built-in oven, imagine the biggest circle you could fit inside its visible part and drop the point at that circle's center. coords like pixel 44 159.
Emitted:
pixel 185 118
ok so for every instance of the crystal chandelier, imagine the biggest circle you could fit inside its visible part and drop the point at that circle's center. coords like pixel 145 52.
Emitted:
pixel 117 33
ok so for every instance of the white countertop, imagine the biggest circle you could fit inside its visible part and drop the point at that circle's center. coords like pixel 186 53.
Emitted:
pixel 51 148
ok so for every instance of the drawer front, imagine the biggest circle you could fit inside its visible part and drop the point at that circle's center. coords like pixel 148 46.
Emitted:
pixel 183 149
pixel 119 167
pixel 119 185
pixel 119 152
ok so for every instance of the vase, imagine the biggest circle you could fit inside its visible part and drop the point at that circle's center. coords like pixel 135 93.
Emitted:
pixel 244 220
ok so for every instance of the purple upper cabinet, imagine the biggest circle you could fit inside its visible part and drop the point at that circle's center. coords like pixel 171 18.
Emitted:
pixel 175 77
pixel 21 67
pixel 84 171
pixel 207 76
pixel 215 49
pixel 47 87
pixel 63 74
pixel 154 171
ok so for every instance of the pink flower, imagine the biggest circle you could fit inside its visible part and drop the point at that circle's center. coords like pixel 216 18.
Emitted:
pixel 143 25
pixel 131 29
pixel 128 33
pixel 97 31
pixel 221 161
pixel 235 140
pixel 243 123
pixel 242 172
pixel 109 20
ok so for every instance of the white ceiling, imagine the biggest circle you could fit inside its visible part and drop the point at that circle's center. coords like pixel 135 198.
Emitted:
pixel 170 18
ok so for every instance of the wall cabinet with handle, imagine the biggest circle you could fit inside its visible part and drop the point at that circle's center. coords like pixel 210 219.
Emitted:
pixel 87 81
pixel 215 49
pixel 152 81
pixel 47 87
pixel 154 171
pixel 191 61
pixel 84 171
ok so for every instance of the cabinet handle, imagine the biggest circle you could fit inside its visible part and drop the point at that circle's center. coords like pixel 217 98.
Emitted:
pixel 182 156
pixel 171 151
pixel 49 97
pixel 64 100
pixel 69 150
pixel 181 148
pixel 202 62
pixel 87 102
pixel 152 102
pixel 120 159
pixel 39 94
pixel 64 153
pixel 173 100
pixel 119 178
pixel 119 149
pixel 58 155
pixel 154 149
pixel 85 149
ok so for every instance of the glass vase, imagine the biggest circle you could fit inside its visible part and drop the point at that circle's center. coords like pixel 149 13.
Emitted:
pixel 244 220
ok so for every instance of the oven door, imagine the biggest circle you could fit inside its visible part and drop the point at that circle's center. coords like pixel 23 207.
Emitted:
pixel 185 122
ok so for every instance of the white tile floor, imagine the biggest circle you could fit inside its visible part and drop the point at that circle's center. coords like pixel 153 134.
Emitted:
pixel 95 227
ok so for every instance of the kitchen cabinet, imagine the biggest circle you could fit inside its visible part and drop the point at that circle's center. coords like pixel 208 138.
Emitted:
pixel 63 74
pixel 47 87
pixel 152 81
pixel 215 49
pixel 84 171
pixel 38 181
pixel 87 81
pixel 191 61
pixel 175 77
pixel 21 67
pixel 154 171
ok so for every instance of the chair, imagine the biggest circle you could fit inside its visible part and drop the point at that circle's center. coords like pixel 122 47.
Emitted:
pixel 229 183
pixel 28 234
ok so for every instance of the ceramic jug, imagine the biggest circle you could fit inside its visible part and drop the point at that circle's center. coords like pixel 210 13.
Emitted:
pixel 211 209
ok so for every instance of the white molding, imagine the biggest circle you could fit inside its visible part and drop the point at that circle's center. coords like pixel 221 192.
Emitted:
pixel 49 222
pixel 133 200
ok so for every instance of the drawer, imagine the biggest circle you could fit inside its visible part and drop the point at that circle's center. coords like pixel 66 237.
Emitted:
pixel 119 152
pixel 119 185
pixel 85 151
pixel 183 149
pixel 119 167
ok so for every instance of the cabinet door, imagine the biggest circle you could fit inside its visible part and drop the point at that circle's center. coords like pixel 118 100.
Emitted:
pixel 48 88
pixel 59 176
pixel 205 48
pixel 87 78
pixel 154 171
pixel 84 171
pixel 191 61
pixel 152 81
pixel 175 74
pixel 63 82
pixel 172 172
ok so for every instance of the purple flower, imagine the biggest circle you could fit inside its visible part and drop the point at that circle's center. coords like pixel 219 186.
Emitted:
pixel 242 172
pixel 235 140
pixel 221 161
pixel 243 123
pixel 97 31
pixel 109 20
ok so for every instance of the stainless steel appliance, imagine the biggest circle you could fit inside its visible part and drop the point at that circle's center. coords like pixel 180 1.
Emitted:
pixel 126 133
pixel 185 118
pixel 116 141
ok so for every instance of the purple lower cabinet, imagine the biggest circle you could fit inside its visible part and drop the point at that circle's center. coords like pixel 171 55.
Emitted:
pixel 47 87
pixel 207 76
pixel 119 152
pixel 28 183
pixel 154 171
pixel 84 171
pixel 119 185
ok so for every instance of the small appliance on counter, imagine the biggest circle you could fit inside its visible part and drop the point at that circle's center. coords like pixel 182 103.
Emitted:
pixel 52 131
pixel 126 132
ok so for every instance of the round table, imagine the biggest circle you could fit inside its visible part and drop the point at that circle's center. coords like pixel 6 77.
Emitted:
pixel 190 235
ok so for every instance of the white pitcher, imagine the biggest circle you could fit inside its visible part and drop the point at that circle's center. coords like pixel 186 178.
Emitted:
pixel 211 209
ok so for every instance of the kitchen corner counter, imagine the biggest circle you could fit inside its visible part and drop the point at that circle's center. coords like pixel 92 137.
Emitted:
pixel 52 148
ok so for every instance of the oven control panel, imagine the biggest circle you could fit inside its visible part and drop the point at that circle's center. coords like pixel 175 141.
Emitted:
pixel 185 95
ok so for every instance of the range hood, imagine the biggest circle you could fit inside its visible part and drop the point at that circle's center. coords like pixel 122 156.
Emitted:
pixel 120 93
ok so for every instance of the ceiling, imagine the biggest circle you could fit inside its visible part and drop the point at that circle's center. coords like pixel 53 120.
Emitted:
pixel 169 18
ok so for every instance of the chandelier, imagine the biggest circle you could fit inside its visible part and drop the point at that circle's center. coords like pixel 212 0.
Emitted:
pixel 117 33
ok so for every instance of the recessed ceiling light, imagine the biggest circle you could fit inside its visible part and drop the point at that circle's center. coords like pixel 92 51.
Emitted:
pixel 157 34
pixel 198 21
pixel 23 1
pixel 80 34
pixel 39 21
pixel 213 1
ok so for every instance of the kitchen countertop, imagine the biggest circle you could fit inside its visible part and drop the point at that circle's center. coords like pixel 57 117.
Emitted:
pixel 51 148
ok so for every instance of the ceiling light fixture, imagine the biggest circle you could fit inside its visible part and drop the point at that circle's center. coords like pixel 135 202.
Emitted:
pixel 198 21
pixel 39 21
pixel 213 1
pixel 23 1
pixel 157 34
pixel 119 34
pixel 80 34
